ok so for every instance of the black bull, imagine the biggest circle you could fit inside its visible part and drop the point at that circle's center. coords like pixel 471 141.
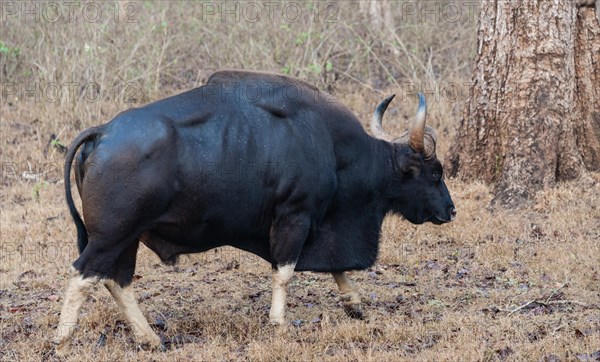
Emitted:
pixel 261 162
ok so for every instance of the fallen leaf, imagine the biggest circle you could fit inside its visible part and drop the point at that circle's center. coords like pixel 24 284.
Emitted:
pixel 582 333
pixel 503 353
pixel 53 297
pixel 551 358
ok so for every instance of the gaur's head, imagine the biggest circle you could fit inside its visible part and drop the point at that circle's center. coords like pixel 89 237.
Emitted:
pixel 417 189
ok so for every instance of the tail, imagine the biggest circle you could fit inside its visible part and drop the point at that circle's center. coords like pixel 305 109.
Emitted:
pixel 82 236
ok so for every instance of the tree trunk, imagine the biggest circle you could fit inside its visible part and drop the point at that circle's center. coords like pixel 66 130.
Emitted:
pixel 379 13
pixel 532 117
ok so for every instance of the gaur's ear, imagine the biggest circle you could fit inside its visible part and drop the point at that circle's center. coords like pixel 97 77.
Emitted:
pixel 407 160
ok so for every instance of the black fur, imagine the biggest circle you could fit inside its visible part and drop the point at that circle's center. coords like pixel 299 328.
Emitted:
pixel 264 163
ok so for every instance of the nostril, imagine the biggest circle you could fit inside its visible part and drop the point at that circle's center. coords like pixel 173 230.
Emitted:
pixel 452 212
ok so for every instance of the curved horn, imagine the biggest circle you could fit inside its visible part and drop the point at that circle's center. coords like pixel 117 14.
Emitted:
pixel 417 133
pixel 376 128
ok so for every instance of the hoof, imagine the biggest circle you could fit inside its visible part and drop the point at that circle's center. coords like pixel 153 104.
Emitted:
pixel 354 311
pixel 152 347
pixel 60 346
pixel 61 349
pixel 277 322
pixel 153 343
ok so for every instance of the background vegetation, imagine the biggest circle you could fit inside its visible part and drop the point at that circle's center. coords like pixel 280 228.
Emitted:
pixel 437 293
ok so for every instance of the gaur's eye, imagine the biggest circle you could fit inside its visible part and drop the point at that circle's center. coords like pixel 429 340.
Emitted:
pixel 437 176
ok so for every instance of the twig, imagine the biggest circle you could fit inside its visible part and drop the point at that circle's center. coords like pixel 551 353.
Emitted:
pixel 370 50
pixel 360 82
pixel 507 309
pixel 560 326
pixel 554 292
pixel 521 307
pixel 564 301
pixel 546 302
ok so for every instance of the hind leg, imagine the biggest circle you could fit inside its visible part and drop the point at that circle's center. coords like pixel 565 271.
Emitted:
pixel 128 305
pixel 119 286
pixel 119 202
pixel 77 292
pixel 95 263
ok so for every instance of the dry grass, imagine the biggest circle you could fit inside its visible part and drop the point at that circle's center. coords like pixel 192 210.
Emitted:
pixel 436 293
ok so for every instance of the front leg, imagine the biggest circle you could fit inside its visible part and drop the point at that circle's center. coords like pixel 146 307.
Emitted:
pixel 349 296
pixel 287 239
pixel 281 279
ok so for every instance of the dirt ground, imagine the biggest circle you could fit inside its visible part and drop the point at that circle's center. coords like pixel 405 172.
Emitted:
pixel 493 285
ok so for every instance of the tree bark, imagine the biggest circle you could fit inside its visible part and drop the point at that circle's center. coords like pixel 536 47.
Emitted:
pixel 587 75
pixel 532 115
